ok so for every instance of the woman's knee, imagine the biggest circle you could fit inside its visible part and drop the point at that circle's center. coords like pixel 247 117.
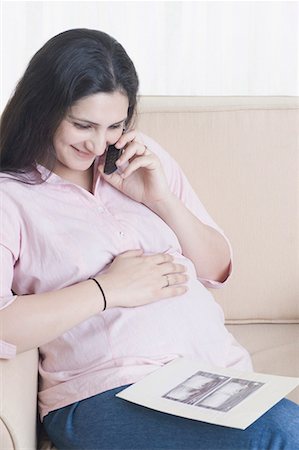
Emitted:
pixel 279 427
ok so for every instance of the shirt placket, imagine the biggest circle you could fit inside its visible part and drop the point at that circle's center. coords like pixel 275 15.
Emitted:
pixel 118 230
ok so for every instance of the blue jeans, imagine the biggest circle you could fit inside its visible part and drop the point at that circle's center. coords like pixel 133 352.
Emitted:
pixel 105 422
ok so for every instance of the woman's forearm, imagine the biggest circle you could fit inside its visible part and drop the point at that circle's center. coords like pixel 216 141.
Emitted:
pixel 132 279
pixel 204 245
pixel 33 320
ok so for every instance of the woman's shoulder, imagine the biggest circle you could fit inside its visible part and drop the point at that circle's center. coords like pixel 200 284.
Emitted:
pixel 7 182
pixel 13 180
pixel 14 190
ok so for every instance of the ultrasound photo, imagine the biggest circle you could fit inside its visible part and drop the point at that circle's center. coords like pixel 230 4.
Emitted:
pixel 212 391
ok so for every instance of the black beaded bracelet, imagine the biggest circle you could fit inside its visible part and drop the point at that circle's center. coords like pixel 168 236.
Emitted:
pixel 100 287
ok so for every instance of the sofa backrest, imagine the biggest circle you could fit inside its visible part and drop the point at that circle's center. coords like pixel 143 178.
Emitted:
pixel 241 155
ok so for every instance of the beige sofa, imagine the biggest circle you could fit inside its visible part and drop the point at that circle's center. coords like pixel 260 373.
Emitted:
pixel 242 157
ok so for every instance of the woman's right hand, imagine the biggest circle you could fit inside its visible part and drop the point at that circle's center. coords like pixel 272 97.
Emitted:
pixel 135 279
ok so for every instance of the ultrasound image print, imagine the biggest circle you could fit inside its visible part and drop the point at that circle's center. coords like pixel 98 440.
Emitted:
pixel 212 391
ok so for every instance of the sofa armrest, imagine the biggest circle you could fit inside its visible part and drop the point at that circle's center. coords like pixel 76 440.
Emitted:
pixel 18 401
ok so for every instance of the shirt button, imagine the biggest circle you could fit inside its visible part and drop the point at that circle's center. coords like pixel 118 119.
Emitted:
pixel 100 209
pixel 122 234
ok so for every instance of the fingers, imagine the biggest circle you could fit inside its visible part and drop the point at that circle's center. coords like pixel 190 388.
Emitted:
pixel 126 138
pixel 160 258
pixel 131 150
pixel 172 275
pixel 163 260
pixel 168 268
pixel 131 253
pixel 173 291
pixel 172 279
pixel 143 278
pixel 162 271
pixel 149 162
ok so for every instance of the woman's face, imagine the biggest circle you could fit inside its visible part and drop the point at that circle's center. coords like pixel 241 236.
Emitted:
pixel 89 126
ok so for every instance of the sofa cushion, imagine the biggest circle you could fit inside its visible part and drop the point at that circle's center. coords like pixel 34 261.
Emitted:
pixel 274 348
pixel 18 400
pixel 244 167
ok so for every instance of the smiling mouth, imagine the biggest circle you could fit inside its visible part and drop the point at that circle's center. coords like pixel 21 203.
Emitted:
pixel 84 154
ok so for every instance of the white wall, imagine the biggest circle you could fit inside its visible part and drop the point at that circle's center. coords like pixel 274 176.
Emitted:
pixel 179 48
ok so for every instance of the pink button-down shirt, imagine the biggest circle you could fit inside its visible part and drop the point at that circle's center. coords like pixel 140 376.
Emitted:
pixel 56 234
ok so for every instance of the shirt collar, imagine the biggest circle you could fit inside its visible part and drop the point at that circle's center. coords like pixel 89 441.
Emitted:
pixel 51 177
pixel 46 174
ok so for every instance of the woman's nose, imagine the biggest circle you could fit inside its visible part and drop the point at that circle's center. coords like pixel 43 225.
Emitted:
pixel 96 145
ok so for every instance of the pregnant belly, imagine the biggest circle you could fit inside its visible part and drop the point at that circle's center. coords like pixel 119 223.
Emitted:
pixel 191 324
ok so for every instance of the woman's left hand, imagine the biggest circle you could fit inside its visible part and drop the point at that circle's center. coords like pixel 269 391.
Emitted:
pixel 141 176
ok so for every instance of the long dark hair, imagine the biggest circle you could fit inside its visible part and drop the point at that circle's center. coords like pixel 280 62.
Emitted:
pixel 70 66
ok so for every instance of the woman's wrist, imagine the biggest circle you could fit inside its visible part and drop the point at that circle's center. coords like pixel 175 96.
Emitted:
pixel 162 206
pixel 101 291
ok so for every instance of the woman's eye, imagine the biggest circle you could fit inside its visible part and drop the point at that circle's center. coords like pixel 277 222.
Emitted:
pixel 81 127
pixel 115 127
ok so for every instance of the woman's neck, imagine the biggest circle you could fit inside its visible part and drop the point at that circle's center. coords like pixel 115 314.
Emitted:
pixel 82 179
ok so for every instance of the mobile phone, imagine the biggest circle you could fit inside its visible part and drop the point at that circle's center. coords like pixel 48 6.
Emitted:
pixel 112 156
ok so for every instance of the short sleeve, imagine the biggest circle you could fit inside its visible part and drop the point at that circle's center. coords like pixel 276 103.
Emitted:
pixel 7 350
pixel 181 187
pixel 6 295
pixel 9 251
